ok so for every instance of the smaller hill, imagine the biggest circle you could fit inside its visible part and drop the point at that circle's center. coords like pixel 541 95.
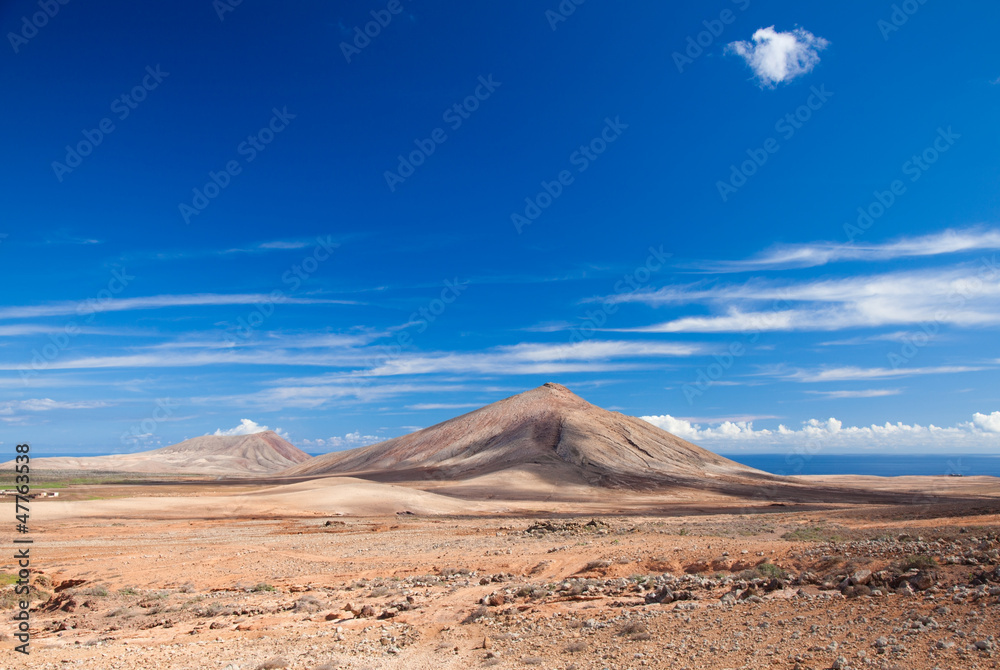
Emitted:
pixel 234 455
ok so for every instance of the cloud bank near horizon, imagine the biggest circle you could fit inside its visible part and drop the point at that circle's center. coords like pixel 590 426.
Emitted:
pixel 979 434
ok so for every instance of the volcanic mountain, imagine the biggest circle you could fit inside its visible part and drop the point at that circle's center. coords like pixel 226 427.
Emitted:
pixel 549 429
pixel 255 454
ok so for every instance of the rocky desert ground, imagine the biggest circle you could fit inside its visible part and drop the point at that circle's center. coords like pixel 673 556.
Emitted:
pixel 235 582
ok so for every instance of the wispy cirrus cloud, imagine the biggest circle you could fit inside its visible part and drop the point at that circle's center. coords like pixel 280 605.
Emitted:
pixel 348 441
pixel 367 384
pixel 529 358
pixel 795 256
pixel 776 57
pixel 64 236
pixel 47 405
pixel 865 393
pixel 27 329
pixel 14 411
pixel 964 296
pixel 854 373
pixel 894 336
pixel 443 405
pixel 322 390
pixel 356 361
pixel 254 248
pixel 183 359
pixel 69 308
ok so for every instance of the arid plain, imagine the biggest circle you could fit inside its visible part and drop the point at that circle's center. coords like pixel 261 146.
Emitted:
pixel 539 531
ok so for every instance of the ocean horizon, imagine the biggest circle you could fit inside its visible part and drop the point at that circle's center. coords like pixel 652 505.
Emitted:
pixel 878 465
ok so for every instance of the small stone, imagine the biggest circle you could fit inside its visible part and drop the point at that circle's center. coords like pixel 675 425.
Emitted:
pixel 861 577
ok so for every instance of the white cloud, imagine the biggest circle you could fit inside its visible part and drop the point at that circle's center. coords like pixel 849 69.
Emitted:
pixel 279 245
pixel 853 373
pixel 965 296
pixel 895 336
pixel 989 423
pixel 733 419
pixel 44 329
pixel 84 308
pixel 776 57
pixel 44 405
pixel 815 435
pixel 348 441
pixel 815 254
pixel 869 393
pixel 338 351
pixel 247 427
pixel 529 358
pixel 441 405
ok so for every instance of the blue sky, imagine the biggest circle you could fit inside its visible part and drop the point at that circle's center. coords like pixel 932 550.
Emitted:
pixel 764 225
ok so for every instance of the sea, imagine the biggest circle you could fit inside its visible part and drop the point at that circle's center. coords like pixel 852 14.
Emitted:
pixel 894 465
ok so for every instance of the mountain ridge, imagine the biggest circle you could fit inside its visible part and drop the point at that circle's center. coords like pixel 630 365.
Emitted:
pixel 548 425
pixel 260 453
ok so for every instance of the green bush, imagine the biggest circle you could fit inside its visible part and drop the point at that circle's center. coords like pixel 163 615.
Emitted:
pixel 770 571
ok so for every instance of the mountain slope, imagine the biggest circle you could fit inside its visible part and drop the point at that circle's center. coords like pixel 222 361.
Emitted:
pixel 259 453
pixel 547 426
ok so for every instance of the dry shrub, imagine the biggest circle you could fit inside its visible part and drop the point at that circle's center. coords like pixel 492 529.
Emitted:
pixel 476 614
pixel 635 630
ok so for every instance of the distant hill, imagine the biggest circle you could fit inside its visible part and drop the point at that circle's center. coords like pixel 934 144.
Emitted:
pixel 256 454
pixel 549 429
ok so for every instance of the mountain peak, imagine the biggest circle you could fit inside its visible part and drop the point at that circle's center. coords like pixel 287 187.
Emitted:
pixel 225 455
pixel 548 427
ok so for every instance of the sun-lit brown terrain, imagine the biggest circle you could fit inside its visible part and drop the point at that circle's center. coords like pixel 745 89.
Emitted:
pixel 229 455
pixel 540 531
